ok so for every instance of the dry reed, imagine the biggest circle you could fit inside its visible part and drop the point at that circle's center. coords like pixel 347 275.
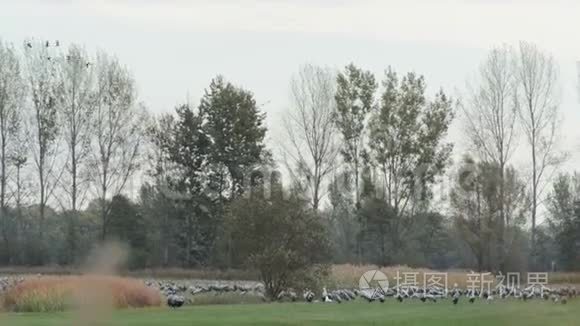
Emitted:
pixel 45 294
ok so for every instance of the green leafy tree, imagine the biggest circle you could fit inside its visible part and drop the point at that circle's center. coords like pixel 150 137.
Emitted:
pixel 476 212
pixel 407 146
pixel 282 238
pixel 126 224
pixel 235 130
pixel 354 101
pixel 564 221
pixel 187 147
pixel 431 236
pixel 377 219
pixel 343 225
pixel 164 217
pixel 407 139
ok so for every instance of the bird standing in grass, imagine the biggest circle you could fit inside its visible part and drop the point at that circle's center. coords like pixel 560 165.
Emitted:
pixel 175 301
pixel 455 298
pixel 308 295
pixel 325 296
pixel 546 296
pixel 399 297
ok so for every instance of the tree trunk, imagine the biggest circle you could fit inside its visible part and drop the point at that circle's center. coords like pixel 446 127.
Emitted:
pixel 3 208
pixel 534 194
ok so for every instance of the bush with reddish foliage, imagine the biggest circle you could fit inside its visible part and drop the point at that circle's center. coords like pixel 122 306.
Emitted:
pixel 46 294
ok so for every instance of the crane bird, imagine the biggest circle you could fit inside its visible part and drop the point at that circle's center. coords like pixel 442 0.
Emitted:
pixel 367 295
pixel 455 298
pixel 325 297
pixel 381 298
pixel 399 297
pixel 335 297
pixel 175 301
pixel 308 295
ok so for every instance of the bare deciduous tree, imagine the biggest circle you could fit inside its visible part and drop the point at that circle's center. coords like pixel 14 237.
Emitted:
pixel 310 128
pixel 491 115
pixel 118 120
pixel 79 99
pixel 537 77
pixel 11 94
pixel 45 87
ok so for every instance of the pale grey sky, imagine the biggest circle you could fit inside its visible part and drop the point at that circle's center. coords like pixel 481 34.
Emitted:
pixel 174 47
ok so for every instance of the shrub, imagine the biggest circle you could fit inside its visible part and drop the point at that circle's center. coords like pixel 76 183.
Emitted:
pixel 281 238
pixel 49 294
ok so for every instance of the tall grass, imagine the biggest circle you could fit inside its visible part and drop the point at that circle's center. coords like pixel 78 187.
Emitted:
pixel 565 278
pixel 48 294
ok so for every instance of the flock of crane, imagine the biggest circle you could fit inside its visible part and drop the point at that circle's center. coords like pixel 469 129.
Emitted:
pixel 180 293
pixel 434 294
pixel 177 295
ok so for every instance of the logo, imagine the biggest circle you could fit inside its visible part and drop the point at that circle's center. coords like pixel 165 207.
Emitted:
pixel 374 280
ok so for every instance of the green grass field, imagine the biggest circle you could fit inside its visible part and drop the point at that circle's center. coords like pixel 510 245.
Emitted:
pixel 508 313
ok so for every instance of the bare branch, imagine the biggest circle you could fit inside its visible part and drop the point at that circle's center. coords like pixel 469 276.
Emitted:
pixel 310 128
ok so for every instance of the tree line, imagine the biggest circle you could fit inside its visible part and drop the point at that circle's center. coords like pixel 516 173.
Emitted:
pixel 69 133
pixel 360 164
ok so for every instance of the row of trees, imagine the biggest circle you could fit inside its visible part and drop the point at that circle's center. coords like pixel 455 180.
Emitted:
pixel 515 98
pixel 69 132
pixel 393 148
pixel 362 159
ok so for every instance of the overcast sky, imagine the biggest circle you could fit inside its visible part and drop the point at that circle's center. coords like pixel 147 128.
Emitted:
pixel 175 47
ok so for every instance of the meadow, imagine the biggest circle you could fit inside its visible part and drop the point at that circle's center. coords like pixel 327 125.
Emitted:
pixel 409 313
pixel 40 301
